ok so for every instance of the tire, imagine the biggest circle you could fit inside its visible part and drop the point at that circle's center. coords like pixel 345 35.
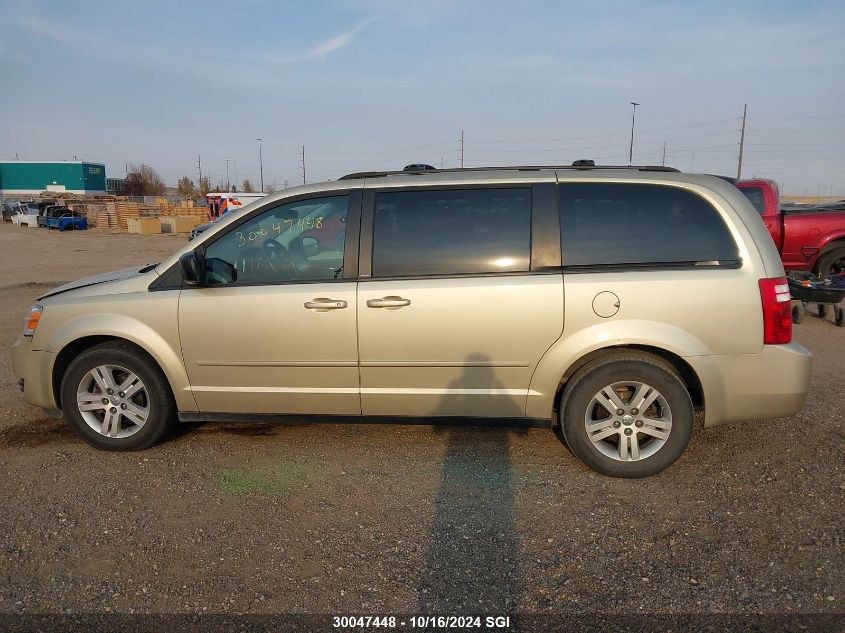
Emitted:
pixel 653 454
pixel 826 261
pixel 822 311
pixel 136 421
pixel 797 313
pixel 838 317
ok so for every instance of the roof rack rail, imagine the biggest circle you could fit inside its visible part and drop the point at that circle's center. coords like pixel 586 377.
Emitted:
pixel 451 170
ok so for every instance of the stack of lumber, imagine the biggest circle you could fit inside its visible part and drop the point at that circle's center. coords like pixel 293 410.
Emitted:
pixel 186 208
pixel 125 211
pixel 103 215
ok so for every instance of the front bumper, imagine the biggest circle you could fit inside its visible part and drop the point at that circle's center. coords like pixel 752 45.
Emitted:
pixel 771 384
pixel 35 368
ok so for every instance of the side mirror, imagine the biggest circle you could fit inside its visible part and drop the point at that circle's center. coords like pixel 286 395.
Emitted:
pixel 190 264
pixel 310 246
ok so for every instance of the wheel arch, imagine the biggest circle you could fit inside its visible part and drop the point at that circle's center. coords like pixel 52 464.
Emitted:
pixel 828 244
pixel 72 349
pixel 685 371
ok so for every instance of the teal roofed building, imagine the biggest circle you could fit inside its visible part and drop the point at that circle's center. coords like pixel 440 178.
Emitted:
pixel 27 177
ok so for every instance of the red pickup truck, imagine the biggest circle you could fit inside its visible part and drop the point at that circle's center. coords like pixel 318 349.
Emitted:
pixel 808 239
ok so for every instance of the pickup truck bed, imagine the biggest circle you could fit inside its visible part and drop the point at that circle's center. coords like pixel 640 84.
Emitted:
pixel 67 223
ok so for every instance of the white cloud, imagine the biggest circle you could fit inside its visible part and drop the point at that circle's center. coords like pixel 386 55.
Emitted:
pixel 323 48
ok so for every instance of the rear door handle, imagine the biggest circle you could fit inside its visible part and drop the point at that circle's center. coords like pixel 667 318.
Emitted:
pixel 322 303
pixel 388 302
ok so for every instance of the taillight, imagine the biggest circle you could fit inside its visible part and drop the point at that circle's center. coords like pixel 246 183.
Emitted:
pixel 32 320
pixel 777 311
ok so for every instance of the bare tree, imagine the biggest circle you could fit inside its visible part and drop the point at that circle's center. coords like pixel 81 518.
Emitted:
pixel 205 186
pixel 269 189
pixel 143 180
pixel 246 186
pixel 186 187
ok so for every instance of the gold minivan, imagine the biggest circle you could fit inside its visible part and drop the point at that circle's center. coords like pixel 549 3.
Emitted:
pixel 612 302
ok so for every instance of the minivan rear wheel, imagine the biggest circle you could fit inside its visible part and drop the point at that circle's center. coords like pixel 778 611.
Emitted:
pixel 116 398
pixel 627 416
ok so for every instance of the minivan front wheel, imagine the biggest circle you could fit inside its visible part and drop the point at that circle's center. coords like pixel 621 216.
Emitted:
pixel 116 398
pixel 627 416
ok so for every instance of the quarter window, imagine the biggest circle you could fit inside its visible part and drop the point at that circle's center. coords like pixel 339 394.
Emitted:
pixel 299 241
pixel 451 231
pixel 617 224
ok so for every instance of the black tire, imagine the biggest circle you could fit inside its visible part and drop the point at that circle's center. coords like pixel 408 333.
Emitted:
pixel 838 317
pixel 162 407
pixel 822 311
pixel 644 368
pixel 797 313
pixel 826 261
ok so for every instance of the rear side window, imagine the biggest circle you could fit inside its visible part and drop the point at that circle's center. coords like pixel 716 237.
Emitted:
pixel 451 231
pixel 608 224
pixel 756 197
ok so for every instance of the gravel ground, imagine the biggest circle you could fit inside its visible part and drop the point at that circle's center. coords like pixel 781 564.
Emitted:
pixel 309 518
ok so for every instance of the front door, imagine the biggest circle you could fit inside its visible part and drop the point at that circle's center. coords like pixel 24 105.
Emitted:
pixel 273 328
pixel 453 320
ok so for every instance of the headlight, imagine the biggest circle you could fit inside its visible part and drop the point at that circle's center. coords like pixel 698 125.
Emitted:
pixel 32 320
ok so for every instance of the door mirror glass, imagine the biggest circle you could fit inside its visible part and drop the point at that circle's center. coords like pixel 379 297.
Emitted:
pixel 219 271
pixel 189 263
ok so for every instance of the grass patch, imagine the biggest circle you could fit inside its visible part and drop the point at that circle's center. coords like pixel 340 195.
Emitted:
pixel 285 476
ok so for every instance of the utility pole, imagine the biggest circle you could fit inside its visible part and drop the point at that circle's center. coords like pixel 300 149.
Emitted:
pixel 199 169
pixel 633 119
pixel 228 182
pixel 462 149
pixel 664 153
pixel 741 142
pixel 260 164
pixel 303 164
pixel 286 183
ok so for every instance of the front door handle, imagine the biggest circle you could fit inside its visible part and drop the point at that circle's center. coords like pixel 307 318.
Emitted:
pixel 388 302
pixel 322 303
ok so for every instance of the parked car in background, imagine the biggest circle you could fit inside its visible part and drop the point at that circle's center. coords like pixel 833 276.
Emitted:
pixel 49 211
pixel 27 214
pixel 65 220
pixel 197 230
pixel 10 209
pixel 609 302
pixel 808 239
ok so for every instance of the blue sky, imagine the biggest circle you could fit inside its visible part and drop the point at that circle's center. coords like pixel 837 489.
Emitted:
pixel 374 84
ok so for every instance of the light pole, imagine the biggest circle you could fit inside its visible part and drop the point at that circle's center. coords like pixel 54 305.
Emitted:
pixel 633 119
pixel 260 164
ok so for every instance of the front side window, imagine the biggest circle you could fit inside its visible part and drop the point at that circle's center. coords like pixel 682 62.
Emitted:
pixel 451 231
pixel 298 241
pixel 640 224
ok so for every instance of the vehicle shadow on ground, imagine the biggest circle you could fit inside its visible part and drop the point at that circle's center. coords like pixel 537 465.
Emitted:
pixel 39 432
pixel 472 564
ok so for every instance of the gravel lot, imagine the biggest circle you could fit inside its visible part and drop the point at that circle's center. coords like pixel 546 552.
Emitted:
pixel 310 518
